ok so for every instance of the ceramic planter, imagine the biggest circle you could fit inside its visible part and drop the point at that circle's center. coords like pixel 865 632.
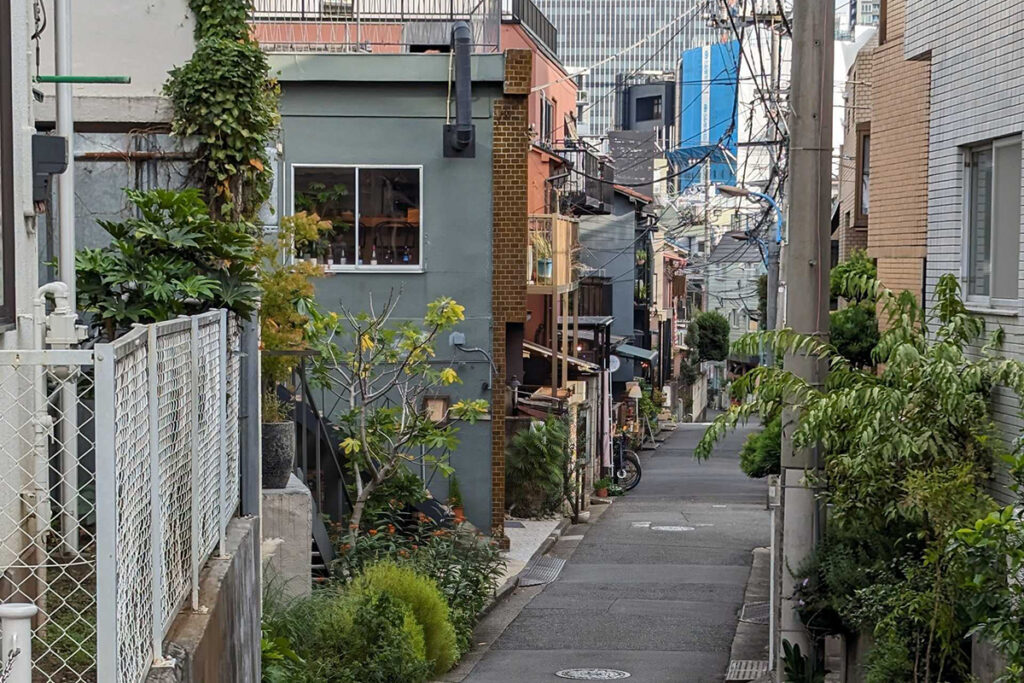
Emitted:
pixel 278 456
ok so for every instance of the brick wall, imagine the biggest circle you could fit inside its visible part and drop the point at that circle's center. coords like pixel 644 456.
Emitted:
pixel 851 233
pixel 899 158
pixel 508 288
pixel 977 87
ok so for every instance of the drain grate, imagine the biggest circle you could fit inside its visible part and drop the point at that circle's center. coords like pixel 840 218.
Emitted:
pixel 592 674
pixel 542 570
pixel 746 669
pixel 756 613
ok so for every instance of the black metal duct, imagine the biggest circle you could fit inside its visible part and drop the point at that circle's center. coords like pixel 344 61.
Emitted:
pixel 460 137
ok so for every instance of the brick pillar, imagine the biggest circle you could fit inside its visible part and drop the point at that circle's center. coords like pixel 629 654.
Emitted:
pixel 508 253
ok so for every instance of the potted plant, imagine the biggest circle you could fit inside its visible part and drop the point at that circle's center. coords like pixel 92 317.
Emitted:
pixel 542 253
pixel 278 452
pixel 455 500
pixel 601 487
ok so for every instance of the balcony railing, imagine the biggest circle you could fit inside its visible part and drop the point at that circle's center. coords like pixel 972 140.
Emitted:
pixel 529 15
pixel 553 249
pixel 387 26
pixel 590 186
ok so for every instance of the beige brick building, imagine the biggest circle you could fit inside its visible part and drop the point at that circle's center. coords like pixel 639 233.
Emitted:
pixel 899 161
pixel 854 173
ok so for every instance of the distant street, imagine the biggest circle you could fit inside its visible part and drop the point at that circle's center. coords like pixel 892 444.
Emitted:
pixel 655 585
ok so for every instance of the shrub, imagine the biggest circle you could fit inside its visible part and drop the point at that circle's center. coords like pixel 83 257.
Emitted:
pixel 854 333
pixel 761 454
pixel 423 597
pixel 535 468
pixel 848 278
pixel 342 637
pixel 465 564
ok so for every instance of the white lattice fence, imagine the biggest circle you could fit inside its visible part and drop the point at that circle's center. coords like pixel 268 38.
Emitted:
pixel 167 478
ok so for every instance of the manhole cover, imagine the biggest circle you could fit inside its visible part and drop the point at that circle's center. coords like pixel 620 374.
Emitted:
pixel 542 570
pixel 592 674
pixel 755 613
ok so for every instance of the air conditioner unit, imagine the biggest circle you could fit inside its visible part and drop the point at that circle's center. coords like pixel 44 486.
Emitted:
pixel 337 8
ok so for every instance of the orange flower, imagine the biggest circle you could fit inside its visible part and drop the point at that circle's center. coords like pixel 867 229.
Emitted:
pixel 415 547
pixel 346 547
pixel 373 532
pixel 391 528
pixel 403 553
pixel 353 527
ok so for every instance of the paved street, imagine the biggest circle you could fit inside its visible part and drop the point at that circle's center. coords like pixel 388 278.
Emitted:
pixel 655 585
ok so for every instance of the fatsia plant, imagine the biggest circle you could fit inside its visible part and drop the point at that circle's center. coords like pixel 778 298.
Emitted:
pixel 906 454
pixel 170 259
pixel 383 371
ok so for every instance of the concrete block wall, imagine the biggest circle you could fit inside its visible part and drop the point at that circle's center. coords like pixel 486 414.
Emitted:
pixel 287 519
pixel 899 158
pixel 977 94
pixel 510 226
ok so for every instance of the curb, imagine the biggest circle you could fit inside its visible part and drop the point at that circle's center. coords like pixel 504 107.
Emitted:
pixel 512 583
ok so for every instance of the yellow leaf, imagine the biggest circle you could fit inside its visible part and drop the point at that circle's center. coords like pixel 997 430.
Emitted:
pixel 449 376
pixel 257 164
pixel 351 445
pixel 366 342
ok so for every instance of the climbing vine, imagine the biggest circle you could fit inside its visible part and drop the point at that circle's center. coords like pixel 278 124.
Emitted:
pixel 225 98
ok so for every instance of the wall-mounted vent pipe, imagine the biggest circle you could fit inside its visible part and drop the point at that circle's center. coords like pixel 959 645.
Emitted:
pixel 460 137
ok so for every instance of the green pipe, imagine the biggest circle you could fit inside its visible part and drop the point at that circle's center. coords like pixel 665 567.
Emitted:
pixel 83 79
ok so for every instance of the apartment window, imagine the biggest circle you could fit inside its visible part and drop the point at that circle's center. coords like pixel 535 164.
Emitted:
pixel 374 210
pixel 863 170
pixel 992 218
pixel 883 22
pixel 648 108
pixel 8 214
pixel 547 118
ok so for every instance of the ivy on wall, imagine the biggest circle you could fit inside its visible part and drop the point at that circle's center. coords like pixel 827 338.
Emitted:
pixel 225 98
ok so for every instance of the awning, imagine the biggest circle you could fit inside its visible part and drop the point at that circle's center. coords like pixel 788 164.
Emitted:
pixel 636 352
pixel 589 320
pixel 584 365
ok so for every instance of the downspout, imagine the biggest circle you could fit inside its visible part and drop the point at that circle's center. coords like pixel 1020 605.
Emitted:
pixel 460 138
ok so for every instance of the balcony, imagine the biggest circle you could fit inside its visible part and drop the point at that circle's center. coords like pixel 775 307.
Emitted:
pixel 552 251
pixel 590 186
pixel 526 13
pixel 373 26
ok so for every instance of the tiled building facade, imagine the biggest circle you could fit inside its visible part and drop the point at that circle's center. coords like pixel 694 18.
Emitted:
pixel 854 159
pixel 974 163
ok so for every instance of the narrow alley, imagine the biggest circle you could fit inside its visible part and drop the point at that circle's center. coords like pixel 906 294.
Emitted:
pixel 653 587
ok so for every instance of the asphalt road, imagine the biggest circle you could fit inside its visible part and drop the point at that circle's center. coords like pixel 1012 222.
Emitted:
pixel 655 585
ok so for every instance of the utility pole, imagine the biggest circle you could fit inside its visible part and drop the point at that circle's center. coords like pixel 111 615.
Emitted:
pixel 707 228
pixel 807 275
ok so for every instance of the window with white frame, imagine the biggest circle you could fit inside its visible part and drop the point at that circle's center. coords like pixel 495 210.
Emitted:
pixel 992 218
pixel 374 212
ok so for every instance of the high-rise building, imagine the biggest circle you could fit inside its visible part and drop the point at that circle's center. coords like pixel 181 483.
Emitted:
pixel 865 12
pixel 591 31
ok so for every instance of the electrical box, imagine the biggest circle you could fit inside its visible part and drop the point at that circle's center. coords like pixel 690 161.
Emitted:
pixel 49 156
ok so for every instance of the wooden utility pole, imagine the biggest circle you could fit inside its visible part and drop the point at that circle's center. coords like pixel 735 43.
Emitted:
pixel 807 275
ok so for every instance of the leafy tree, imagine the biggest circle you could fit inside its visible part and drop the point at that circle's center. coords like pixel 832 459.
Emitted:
pixel 708 335
pixel 848 279
pixel 170 260
pixel 535 467
pixel 854 332
pixel 907 454
pixel 382 372
pixel 761 454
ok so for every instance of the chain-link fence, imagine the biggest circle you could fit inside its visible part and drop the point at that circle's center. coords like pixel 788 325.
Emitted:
pixel 119 471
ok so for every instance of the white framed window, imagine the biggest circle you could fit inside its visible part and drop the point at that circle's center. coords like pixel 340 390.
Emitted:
pixel 375 210
pixel 992 197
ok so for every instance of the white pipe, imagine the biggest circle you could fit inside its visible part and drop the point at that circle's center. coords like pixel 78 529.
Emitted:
pixel 16 622
pixel 66 129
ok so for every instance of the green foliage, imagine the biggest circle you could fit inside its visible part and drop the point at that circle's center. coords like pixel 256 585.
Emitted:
pixel 224 97
pixel 535 468
pixel 602 483
pixel 454 492
pixel 170 260
pixel 651 401
pixel 848 279
pixel 465 565
pixel 907 454
pixel 273 409
pixel 342 637
pixel 761 454
pixel 707 337
pixel 395 494
pixel 798 668
pixel 421 594
pixel 854 332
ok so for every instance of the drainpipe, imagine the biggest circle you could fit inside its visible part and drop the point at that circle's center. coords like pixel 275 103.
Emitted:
pixel 460 138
